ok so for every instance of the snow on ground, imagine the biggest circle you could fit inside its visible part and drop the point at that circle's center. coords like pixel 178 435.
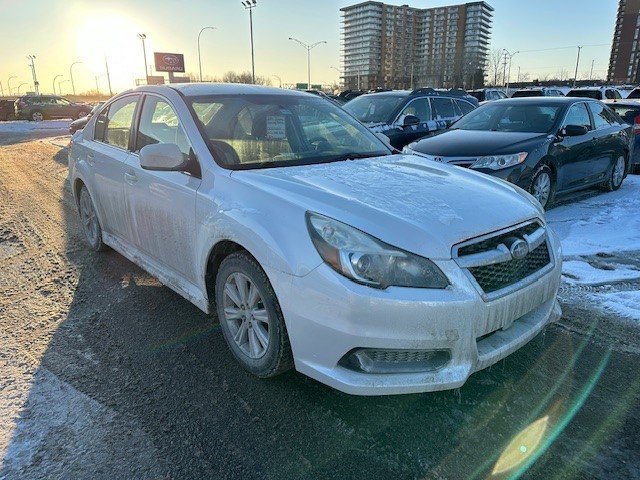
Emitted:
pixel 625 304
pixel 581 272
pixel 605 223
pixel 20 126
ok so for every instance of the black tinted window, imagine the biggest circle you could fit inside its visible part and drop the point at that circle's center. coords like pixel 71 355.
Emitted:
pixel 418 108
pixel 507 117
pixel 527 93
pixel 635 93
pixel 465 107
pixel 595 94
pixel 443 108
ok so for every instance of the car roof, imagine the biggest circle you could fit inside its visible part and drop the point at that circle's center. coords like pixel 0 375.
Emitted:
pixel 204 89
pixel 623 101
pixel 544 100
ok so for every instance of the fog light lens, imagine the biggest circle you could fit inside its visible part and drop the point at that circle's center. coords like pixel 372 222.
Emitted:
pixel 371 360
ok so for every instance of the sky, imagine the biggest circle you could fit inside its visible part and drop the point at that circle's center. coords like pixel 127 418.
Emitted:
pixel 60 32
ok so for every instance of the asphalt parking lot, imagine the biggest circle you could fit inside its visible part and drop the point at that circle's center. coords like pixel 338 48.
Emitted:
pixel 105 373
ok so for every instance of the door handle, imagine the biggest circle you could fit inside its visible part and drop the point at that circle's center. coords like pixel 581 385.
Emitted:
pixel 90 159
pixel 131 178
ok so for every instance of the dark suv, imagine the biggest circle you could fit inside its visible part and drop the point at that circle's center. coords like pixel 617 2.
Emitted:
pixel 40 107
pixel 405 116
pixel 6 109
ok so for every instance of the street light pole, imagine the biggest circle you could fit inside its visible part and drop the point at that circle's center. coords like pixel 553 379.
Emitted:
pixel 250 5
pixel 308 48
pixel 73 85
pixel 9 83
pixel 60 83
pixel 32 58
pixel 106 65
pixel 23 83
pixel 199 59
pixel 575 76
pixel 143 37
pixel 54 83
pixel 279 79
pixel 510 55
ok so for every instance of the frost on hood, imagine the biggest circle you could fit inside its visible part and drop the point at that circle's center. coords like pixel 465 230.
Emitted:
pixel 400 185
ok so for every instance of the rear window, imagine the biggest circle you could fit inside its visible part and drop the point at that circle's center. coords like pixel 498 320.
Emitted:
pixel 595 94
pixel 635 93
pixel 527 93
pixel 628 113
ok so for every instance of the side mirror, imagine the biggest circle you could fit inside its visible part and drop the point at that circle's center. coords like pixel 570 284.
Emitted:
pixel 574 131
pixel 384 138
pixel 410 120
pixel 164 157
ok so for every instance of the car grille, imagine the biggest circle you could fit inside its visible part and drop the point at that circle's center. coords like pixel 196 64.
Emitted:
pixel 490 263
pixel 500 275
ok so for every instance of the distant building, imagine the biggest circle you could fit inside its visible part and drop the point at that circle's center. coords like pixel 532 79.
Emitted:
pixel 625 51
pixel 388 46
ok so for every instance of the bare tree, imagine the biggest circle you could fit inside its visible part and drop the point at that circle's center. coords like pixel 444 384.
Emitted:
pixel 494 70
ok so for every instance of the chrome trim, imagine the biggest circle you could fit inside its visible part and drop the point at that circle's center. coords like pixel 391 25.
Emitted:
pixel 490 257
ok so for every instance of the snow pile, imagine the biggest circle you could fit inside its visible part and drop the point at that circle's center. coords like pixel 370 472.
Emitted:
pixel 19 126
pixel 579 272
pixel 625 304
pixel 605 223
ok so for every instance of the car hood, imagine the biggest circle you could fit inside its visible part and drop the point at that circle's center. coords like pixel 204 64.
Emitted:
pixel 407 201
pixel 470 143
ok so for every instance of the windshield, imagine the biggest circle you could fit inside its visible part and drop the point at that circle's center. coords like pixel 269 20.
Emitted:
pixel 527 93
pixel 595 94
pixel 259 131
pixel 375 108
pixel 629 113
pixel 519 117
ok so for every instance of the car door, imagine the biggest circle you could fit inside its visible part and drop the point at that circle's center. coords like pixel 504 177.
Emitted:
pixel 607 141
pixel 573 154
pixel 418 107
pixel 162 203
pixel 64 108
pixel 444 111
pixel 107 156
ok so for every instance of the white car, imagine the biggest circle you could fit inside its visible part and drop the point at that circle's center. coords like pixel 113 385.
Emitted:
pixel 316 246
pixel 597 93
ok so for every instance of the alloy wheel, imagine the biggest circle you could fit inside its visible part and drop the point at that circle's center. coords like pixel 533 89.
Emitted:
pixel 37 116
pixel 246 315
pixel 542 188
pixel 88 217
pixel 618 172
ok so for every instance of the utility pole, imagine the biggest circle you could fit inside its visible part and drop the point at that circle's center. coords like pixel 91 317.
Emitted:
pixel 73 85
pixel 591 73
pixel 33 72
pixel 504 69
pixel 308 48
pixel 97 86
pixel 508 79
pixel 108 76
pixel 54 83
pixel 575 76
pixel 1 90
pixel 199 58
pixel 250 5
pixel 143 37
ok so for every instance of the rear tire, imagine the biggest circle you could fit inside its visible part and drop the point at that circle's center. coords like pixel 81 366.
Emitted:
pixel 543 186
pixel 616 176
pixel 250 317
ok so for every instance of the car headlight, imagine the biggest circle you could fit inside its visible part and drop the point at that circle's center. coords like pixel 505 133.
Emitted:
pixel 367 260
pixel 497 162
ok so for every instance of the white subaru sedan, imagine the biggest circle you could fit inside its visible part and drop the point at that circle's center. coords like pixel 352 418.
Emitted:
pixel 314 244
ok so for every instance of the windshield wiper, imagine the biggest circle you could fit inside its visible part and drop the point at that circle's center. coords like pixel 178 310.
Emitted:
pixel 357 156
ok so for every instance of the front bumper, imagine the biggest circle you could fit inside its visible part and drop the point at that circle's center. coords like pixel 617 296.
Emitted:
pixel 328 316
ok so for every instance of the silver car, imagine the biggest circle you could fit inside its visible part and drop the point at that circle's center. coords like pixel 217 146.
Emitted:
pixel 315 245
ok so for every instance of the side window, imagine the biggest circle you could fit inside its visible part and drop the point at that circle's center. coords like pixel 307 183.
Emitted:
pixel 443 108
pixel 61 101
pixel 609 94
pixel 600 119
pixel 578 115
pixel 114 124
pixel 159 123
pixel 418 108
pixel 617 95
pixel 465 107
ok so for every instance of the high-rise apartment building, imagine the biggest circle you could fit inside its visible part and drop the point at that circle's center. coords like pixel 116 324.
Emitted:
pixel 389 46
pixel 625 51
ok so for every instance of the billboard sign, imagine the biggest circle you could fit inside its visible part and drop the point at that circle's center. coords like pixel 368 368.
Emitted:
pixel 169 62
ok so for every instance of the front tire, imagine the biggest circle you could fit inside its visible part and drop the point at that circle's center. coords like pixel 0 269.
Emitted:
pixel 37 116
pixel 89 219
pixel 250 317
pixel 616 176
pixel 542 186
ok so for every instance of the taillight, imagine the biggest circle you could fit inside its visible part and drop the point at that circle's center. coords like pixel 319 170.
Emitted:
pixel 636 126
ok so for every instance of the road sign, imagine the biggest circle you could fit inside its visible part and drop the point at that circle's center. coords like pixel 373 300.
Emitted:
pixel 169 62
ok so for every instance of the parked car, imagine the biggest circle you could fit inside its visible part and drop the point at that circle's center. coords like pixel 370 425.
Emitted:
pixel 538 92
pixel 487 94
pixel 6 109
pixel 596 93
pixel 547 146
pixel 371 272
pixel 633 94
pixel 81 122
pixel 41 107
pixel 329 96
pixel 404 116
pixel 351 94
pixel 629 111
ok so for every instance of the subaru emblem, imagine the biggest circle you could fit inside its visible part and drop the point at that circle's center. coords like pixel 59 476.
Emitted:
pixel 519 249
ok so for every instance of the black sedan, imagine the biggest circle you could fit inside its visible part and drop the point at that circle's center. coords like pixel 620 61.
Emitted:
pixel 547 146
